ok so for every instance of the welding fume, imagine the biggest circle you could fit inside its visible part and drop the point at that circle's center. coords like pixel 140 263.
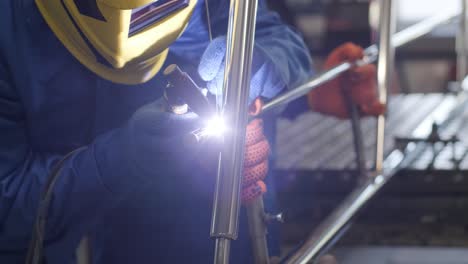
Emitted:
pixel 89 149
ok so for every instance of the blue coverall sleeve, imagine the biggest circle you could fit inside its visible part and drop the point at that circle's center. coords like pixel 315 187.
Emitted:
pixel 81 194
pixel 280 44
pixel 283 47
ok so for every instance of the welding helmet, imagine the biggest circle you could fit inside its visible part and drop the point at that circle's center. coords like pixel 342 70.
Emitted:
pixel 124 41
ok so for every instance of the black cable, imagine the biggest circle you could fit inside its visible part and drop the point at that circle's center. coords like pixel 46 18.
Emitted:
pixel 34 255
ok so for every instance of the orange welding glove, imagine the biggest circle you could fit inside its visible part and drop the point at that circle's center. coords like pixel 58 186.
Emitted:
pixel 257 150
pixel 360 83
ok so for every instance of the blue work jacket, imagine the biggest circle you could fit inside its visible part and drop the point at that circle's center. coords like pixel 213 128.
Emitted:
pixel 50 104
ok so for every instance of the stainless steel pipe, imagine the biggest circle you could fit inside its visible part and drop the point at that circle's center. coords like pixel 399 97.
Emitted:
pixel 385 67
pixel 222 250
pixel 240 42
pixel 258 230
pixel 338 219
pixel 371 53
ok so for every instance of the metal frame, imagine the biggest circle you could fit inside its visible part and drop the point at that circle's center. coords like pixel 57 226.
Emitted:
pixel 341 216
pixel 236 85
pixel 332 227
pixel 385 67
pixel 234 109
pixel 339 219
pixel 241 31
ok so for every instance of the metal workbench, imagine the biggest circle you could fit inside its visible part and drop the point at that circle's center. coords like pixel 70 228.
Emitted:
pixel 313 142
pixel 422 205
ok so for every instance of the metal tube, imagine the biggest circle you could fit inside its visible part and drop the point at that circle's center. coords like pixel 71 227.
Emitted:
pixel 240 41
pixel 222 250
pixel 399 39
pixel 462 43
pixel 359 152
pixel 343 214
pixel 384 72
pixel 258 231
pixel 422 28
pixel 340 217
pixel 306 87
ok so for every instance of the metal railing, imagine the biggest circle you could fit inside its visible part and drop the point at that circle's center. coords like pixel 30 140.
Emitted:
pixel 385 65
pixel 234 109
pixel 342 215
pixel 224 227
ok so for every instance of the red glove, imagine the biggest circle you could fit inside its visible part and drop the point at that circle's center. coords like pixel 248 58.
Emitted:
pixel 257 150
pixel 360 82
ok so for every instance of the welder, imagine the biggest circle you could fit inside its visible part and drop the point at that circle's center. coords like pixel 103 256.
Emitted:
pixel 80 101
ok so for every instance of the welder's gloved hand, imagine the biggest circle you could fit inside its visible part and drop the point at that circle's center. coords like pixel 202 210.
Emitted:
pixel 152 144
pixel 265 80
pixel 360 83
pixel 257 150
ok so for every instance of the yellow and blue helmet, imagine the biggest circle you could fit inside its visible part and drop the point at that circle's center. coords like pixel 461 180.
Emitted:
pixel 124 41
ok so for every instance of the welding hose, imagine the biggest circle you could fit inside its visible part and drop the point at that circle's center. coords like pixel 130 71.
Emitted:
pixel 36 245
pixel 128 158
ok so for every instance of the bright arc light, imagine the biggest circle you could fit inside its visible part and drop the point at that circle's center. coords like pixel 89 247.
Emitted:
pixel 215 127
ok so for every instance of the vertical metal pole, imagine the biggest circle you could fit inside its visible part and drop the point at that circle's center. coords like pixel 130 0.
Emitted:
pixel 384 71
pixel 258 231
pixel 240 41
pixel 462 44
pixel 353 110
pixel 222 250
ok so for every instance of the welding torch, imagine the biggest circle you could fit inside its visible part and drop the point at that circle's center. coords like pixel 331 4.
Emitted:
pixel 182 95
